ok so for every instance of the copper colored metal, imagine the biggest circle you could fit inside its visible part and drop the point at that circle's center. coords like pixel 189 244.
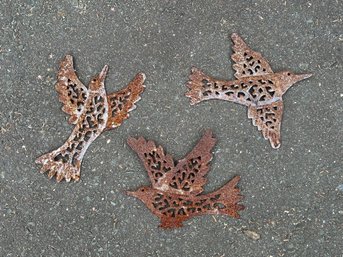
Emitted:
pixel 92 111
pixel 256 86
pixel 175 192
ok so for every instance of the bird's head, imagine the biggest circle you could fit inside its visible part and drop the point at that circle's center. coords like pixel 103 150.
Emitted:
pixel 142 193
pixel 288 78
pixel 98 80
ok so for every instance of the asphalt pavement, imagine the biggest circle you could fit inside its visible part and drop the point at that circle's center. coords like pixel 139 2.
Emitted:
pixel 293 195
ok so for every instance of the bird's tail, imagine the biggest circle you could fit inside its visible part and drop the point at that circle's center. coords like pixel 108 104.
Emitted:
pixel 196 85
pixel 227 198
pixel 60 163
pixel 199 86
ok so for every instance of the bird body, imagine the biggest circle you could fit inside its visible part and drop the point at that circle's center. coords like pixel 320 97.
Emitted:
pixel 246 91
pixel 256 86
pixel 175 193
pixel 92 111
pixel 174 208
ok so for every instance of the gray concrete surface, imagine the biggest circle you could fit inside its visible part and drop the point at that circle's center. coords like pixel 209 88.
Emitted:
pixel 293 195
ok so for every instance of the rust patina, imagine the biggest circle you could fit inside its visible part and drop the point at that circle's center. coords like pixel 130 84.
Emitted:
pixel 92 111
pixel 175 194
pixel 256 86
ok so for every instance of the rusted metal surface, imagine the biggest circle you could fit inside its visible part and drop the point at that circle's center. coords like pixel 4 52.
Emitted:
pixel 175 192
pixel 256 86
pixel 92 111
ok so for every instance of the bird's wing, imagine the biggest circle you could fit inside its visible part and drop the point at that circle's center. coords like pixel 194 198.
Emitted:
pixel 155 161
pixel 188 177
pixel 122 102
pixel 247 61
pixel 72 93
pixel 268 118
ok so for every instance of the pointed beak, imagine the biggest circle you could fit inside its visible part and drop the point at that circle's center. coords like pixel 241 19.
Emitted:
pixel 131 193
pixel 300 77
pixel 103 73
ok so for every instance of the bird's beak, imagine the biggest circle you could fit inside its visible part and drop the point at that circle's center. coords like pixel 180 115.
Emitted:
pixel 290 81
pixel 103 73
pixel 300 77
pixel 131 193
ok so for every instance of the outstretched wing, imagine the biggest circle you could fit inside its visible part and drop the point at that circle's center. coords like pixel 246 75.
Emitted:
pixel 268 118
pixel 155 161
pixel 72 93
pixel 123 101
pixel 188 177
pixel 247 61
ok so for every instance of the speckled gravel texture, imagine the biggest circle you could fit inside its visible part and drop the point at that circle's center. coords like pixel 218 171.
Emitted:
pixel 293 195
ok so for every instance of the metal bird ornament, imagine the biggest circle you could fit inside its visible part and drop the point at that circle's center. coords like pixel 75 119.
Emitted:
pixel 256 86
pixel 92 111
pixel 175 194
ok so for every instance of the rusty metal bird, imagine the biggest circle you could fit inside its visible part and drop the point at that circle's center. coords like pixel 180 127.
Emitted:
pixel 92 111
pixel 256 86
pixel 175 194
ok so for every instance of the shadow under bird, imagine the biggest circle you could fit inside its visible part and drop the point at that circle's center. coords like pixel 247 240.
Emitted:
pixel 256 86
pixel 175 194
pixel 92 111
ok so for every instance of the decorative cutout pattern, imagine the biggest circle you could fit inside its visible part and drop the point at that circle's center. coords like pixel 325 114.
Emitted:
pixel 267 118
pixel 256 87
pixel 92 111
pixel 175 192
pixel 247 62
pixel 123 101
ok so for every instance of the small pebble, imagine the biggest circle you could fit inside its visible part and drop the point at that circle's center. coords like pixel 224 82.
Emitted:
pixel 252 234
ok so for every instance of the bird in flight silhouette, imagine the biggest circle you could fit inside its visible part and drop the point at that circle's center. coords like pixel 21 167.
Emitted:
pixel 92 111
pixel 256 86
pixel 175 194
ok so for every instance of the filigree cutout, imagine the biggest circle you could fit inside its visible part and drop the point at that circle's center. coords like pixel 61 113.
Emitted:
pixel 256 87
pixel 92 111
pixel 267 118
pixel 247 62
pixel 175 192
pixel 123 101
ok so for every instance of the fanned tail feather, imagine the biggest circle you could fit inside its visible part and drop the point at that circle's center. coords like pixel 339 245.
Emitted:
pixel 230 197
pixel 196 85
pixel 55 165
